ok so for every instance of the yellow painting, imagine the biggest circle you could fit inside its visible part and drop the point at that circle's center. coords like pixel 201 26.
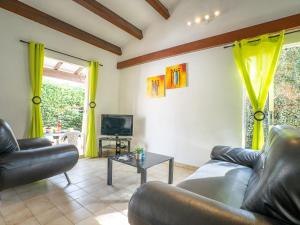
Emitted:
pixel 156 86
pixel 176 76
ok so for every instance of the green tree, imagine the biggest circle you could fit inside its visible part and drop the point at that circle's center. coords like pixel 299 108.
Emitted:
pixel 64 102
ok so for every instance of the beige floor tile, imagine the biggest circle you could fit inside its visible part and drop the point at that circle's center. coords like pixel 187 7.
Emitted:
pixel 48 216
pixel 91 181
pixel 31 194
pixel 121 207
pixel 69 206
pixel 89 221
pixel 92 188
pixel 29 221
pixel 105 211
pixel 2 220
pixel 8 199
pixel 10 209
pixel 39 204
pixel 78 215
pixel 71 188
pixel 87 201
pixel 95 207
pixel 60 221
pixel 58 180
pixel 110 216
pixel 92 204
pixel 59 197
pixel 77 194
pixel 18 217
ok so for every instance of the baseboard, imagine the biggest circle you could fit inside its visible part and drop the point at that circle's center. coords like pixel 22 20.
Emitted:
pixel 185 166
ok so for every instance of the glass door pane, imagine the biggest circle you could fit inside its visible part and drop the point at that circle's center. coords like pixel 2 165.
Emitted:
pixel 286 95
pixel 283 105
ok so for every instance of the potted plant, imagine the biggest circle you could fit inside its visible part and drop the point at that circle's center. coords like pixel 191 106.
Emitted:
pixel 139 152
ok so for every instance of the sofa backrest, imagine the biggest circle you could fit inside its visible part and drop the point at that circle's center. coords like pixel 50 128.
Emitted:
pixel 8 141
pixel 274 187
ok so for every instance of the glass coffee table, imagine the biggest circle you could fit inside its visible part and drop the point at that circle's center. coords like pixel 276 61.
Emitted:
pixel 150 160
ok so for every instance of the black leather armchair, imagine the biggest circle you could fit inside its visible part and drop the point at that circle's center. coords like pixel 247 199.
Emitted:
pixel 236 187
pixel 28 160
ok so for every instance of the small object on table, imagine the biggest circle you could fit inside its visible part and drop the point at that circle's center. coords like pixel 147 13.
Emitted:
pixel 139 152
pixel 150 160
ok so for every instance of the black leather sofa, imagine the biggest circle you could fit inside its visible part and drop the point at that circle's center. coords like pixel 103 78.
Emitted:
pixel 236 187
pixel 28 160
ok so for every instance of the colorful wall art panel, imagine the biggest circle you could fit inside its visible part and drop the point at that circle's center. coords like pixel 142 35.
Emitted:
pixel 156 86
pixel 176 76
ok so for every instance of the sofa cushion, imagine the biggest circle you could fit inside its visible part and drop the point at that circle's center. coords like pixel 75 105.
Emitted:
pixel 8 141
pixel 274 187
pixel 241 156
pixel 222 181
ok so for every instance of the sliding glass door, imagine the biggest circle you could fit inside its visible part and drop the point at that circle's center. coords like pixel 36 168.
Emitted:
pixel 283 105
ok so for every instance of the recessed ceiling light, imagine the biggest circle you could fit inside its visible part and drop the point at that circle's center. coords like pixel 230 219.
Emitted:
pixel 189 23
pixel 206 17
pixel 197 20
pixel 217 13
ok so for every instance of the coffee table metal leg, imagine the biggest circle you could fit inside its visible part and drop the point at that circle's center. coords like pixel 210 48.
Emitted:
pixel 171 169
pixel 109 171
pixel 143 176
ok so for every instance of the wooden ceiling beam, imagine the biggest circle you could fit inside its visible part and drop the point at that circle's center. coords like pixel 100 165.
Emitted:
pixel 63 75
pixel 110 16
pixel 58 65
pixel 286 23
pixel 160 8
pixel 31 13
pixel 78 71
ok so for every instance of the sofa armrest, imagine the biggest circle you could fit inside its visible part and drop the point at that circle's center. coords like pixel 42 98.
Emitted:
pixel 26 144
pixel 156 203
pixel 242 156
pixel 39 156
pixel 23 167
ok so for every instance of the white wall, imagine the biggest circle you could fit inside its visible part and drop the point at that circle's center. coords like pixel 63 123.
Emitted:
pixel 14 76
pixel 188 122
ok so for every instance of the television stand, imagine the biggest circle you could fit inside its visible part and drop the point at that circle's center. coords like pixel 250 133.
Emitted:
pixel 118 146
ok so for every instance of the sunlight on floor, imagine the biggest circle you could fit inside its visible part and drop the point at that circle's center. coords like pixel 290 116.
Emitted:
pixel 87 201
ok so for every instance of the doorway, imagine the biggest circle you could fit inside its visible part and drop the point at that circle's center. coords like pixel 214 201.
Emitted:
pixel 63 105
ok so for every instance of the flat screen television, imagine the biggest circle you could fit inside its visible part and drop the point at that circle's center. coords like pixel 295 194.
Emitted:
pixel 116 125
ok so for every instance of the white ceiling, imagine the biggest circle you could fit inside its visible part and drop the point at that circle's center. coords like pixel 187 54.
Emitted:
pixel 235 14
pixel 137 12
pixel 160 33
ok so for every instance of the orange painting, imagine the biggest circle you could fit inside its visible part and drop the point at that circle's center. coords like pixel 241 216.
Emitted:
pixel 156 86
pixel 176 76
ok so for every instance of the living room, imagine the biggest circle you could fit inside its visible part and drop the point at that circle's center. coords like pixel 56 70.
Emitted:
pixel 190 77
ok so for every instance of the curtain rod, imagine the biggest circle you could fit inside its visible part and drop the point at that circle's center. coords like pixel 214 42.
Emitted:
pixel 290 32
pixel 62 53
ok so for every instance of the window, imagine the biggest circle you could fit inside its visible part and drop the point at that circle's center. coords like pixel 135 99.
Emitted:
pixel 283 104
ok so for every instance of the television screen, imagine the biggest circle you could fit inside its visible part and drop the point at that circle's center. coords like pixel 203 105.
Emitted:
pixel 117 125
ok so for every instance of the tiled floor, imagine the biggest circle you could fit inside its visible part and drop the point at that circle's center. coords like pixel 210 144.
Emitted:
pixel 87 201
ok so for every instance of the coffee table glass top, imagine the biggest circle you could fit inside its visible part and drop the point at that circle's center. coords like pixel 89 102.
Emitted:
pixel 151 159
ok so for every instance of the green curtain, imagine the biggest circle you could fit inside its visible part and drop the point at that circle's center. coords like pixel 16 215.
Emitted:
pixel 91 149
pixel 256 60
pixel 36 64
